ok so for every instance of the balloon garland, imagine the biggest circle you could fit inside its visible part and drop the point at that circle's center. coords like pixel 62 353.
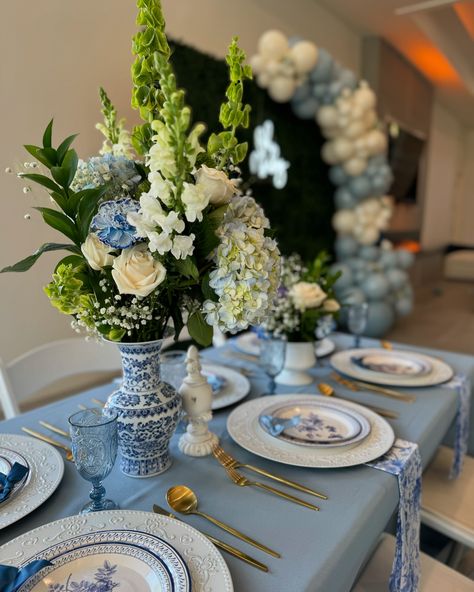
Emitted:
pixel 319 88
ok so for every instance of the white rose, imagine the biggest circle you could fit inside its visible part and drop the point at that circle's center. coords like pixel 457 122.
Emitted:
pixel 215 185
pixel 331 305
pixel 135 271
pixel 305 295
pixel 96 253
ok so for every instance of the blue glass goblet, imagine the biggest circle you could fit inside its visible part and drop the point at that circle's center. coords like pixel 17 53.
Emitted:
pixel 357 320
pixel 94 446
pixel 272 359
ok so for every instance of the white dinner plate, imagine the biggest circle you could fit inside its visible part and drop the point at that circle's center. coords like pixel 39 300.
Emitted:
pixel 248 343
pixel 209 572
pixel 322 424
pixel 244 428
pixel 345 362
pixel 235 388
pixel 121 559
pixel 46 471
pixel 8 458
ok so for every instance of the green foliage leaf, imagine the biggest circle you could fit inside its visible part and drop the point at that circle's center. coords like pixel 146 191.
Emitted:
pixel 60 222
pixel 47 136
pixel 42 180
pixel 64 147
pixel 114 334
pixel 64 174
pixel 199 330
pixel 206 289
pixel 75 260
pixel 187 267
pixel 46 156
pixel 28 262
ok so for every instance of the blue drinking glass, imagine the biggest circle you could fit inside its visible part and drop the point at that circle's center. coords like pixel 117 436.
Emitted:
pixel 272 359
pixel 357 320
pixel 94 446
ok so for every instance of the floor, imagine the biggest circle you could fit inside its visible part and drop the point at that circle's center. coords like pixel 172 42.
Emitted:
pixel 443 318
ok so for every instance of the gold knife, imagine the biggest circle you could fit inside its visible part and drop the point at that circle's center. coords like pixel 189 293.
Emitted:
pixel 49 440
pixel 385 391
pixel 50 426
pixel 218 543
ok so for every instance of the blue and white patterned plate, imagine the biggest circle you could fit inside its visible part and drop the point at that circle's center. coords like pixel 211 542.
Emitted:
pixel 322 424
pixel 397 363
pixel 107 560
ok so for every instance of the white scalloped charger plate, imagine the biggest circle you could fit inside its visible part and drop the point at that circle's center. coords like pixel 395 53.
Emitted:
pixel 46 471
pixel 209 572
pixel 244 428
pixel 248 343
pixel 440 371
pixel 235 388
pixel 126 559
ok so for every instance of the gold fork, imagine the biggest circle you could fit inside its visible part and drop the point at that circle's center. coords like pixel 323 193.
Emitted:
pixel 49 440
pixel 229 462
pixel 56 430
pixel 242 481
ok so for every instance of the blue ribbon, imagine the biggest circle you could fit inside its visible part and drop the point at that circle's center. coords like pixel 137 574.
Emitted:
pixel 403 460
pixel 276 425
pixel 16 474
pixel 12 578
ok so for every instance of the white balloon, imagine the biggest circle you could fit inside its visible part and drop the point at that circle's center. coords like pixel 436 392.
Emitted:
pixel 304 55
pixel 257 63
pixel 272 67
pixel 327 153
pixel 355 166
pixel 343 148
pixel 332 132
pixel 354 129
pixel 263 79
pixel 327 116
pixel 273 45
pixel 372 206
pixel 376 141
pixel 344 106
pixel 343 221
pixel 343 121
pixel 369 236
pixel 365 97
pixel 281 89
pixel 370 118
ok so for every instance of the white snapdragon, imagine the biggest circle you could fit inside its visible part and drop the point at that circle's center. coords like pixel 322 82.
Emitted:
pixel 161 156
pixel 160 188
pixel 194 200
pixel 159 242
pixel 183 246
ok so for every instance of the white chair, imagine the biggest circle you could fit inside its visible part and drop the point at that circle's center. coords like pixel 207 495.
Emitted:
pixel 448 504
pixel 48 363
pixel 435 576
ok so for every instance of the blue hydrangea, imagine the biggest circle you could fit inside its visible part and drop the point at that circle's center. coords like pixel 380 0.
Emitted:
pixel 119 173
pixel 111 226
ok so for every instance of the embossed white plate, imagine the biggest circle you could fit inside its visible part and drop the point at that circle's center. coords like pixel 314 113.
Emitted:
pixel 112 559
pixel 244 428
pixel 248 343
pixel 235 388
pixel 440 371
pixel 46 471
pixel 209 572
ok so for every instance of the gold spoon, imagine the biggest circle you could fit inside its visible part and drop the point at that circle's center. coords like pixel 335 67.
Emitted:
pixel 184 501
pixel 327 390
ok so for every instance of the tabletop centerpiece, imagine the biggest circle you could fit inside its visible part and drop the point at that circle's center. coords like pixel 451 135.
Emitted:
pixel 159 234
pixel 304 300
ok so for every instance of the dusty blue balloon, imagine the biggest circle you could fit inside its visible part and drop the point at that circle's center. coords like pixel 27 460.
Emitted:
pixel 356 264
pixel 347 78
pixel 396 278
pixel 375 286
pixel 380 184
pixel 381 317
pixel 302 92
pixel 369 253
pixel 323 69
pixel 320 90
pixel 352 296
pixel 305 109
pixel 403 306
pixel 360 186
pixel 345 246
pixel 335 88
pixel 337 175
pixel 345 281
pixel 360 276
pixel 388 259
pixel 405 258
pixel 343 198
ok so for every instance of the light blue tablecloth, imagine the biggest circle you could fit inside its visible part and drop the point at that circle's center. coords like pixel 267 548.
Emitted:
pixel 321 552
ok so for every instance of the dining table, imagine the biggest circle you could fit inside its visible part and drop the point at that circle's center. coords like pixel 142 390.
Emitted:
pixel 320 551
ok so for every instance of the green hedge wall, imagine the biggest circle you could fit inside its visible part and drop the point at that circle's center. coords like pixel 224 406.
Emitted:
pixel 301 212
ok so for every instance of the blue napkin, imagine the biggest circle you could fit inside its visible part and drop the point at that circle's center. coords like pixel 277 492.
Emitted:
pixel 462 384
pixel 217 382
pixel 276 425
pixel 16 474
pixel 403 460
pixel 11 578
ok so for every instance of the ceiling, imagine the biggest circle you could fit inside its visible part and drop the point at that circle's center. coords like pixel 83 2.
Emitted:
pixel 436 36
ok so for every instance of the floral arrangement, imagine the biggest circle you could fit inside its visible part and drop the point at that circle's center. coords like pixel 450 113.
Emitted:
pixel 158 230
pixel 305 299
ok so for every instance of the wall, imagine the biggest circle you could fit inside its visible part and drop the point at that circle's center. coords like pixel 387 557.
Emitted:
pixel 55 56
pixel 463 216
pixel 443 167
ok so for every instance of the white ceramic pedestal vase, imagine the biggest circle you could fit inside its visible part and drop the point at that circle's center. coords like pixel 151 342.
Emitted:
pixel 148 411
pixel 300 356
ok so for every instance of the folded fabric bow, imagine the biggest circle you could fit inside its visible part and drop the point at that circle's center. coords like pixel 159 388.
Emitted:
pixel 11 578
pixel 276 425
pixel 7 482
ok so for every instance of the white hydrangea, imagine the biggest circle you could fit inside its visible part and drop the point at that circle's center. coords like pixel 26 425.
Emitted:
pixel 247 268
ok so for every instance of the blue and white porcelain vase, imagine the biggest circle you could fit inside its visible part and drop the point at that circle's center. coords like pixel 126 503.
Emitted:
pixel 148 411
